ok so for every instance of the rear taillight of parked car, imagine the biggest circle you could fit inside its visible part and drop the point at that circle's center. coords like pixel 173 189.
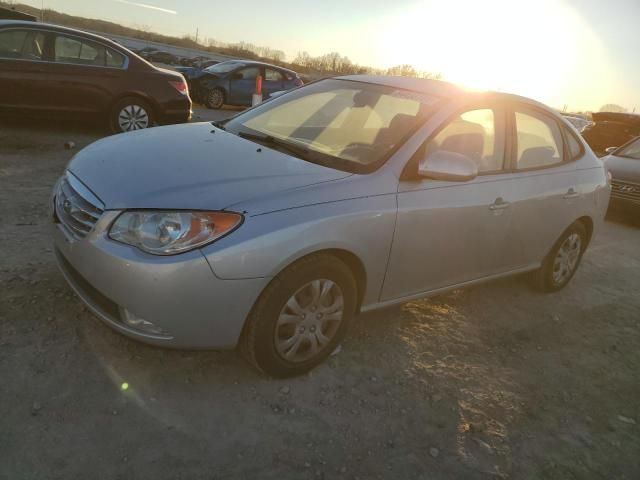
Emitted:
pixel 180 86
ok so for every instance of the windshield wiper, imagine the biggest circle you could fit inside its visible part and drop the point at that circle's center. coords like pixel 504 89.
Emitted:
pixel 276 142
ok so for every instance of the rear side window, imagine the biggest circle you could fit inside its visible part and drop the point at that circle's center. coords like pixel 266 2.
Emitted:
pixel 539 141
pixel 80 52
pixel 22 44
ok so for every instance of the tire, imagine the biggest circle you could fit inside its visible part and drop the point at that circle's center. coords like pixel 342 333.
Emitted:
pixel 562 262
pixel 129 114
pixel 273 328
pixel 214 99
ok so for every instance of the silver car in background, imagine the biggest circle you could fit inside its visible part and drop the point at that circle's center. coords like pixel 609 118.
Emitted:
pixel 273 230
pixel 623 163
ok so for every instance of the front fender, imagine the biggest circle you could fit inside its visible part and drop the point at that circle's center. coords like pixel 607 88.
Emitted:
pixel 266 244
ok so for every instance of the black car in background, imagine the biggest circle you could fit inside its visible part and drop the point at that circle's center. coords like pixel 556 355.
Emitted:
pixel 159 56
pixel 611 130
pixel 234 82
pixel 47 68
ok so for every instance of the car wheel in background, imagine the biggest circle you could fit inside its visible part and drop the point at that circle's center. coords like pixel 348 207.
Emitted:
pixel 562 262
pixel 214 99
pixel 130 114
pixel 301 317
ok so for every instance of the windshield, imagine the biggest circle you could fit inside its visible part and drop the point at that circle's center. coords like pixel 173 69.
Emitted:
pixel 355 126
pixel 631 151
pixel 223 67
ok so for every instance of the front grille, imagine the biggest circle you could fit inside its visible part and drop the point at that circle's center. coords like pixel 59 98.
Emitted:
pixel 77 208
pixel 625 190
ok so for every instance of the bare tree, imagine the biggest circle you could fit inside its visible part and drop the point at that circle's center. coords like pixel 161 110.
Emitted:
pixel 612 107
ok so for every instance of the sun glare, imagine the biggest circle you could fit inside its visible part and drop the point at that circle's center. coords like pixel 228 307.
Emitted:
pixel 541 49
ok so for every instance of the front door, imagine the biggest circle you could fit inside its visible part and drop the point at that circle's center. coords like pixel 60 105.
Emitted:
pixel 448 233
pixel 242 85
pixel 23 68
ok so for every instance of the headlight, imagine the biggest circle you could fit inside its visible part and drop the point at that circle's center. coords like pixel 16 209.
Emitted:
pixel 171 232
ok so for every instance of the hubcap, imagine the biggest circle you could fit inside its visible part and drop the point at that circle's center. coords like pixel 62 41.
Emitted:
pixel 567 258
pixel 133 117
pixel 309 320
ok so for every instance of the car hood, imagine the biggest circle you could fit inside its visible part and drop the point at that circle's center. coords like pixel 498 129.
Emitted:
pixel 191 166
pixel 625 169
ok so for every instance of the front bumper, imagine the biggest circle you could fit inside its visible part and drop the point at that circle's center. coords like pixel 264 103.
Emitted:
pixel 180 294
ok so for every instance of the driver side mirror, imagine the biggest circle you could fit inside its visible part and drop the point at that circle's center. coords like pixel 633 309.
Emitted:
pixel 448 166
pixel 610 150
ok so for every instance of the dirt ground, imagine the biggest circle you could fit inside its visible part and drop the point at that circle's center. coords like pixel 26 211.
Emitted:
pixel 493 382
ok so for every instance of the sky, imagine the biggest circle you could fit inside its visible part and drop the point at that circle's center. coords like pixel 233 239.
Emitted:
pixel 578 53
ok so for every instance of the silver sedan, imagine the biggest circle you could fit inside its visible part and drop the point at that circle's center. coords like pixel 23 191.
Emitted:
pixel 272 230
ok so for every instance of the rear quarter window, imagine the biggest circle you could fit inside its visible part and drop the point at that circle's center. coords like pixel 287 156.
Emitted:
pixel 574 147
pixel 114 59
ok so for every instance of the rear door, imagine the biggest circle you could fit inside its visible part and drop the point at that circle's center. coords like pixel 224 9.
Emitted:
pixel 84 75
pixel 242 85
pixel 23 68
pixel 448 233
pixel 546 194
pixel 273 82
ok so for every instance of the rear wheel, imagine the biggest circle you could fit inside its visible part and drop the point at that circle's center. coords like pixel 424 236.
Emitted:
pixel 214 99
pixel 301 317
pixel 130 114
pixel 562 262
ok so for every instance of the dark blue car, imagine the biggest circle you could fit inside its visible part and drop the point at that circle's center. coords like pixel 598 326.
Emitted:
pixel 234 82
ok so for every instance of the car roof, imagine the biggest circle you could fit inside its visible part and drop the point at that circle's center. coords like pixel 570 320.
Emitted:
pixel 51 26
pixel 440 88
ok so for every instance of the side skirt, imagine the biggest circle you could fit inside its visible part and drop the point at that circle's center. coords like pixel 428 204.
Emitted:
pixel 439 291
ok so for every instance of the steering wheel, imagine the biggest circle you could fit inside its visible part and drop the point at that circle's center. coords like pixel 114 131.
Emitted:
pixel 359 149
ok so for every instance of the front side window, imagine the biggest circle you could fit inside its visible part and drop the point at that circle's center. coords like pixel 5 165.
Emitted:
pixel 224 67
pixel 539 141
pixel 477 134
pixel 355 124
pixel 250 73
pixel 630 151
pixel 22 44
pixel 80 52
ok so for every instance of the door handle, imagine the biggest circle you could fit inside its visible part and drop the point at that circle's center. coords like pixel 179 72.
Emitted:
pixel 499 204
pixel 571 193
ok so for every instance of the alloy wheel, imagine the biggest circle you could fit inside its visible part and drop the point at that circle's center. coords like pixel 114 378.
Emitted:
pixel 133 117
pixel 215 99
pixel 567 258
pixel 309 320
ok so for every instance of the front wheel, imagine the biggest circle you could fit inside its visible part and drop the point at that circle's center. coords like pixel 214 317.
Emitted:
pixel 214 99
pixel 562 262
pixel 301 317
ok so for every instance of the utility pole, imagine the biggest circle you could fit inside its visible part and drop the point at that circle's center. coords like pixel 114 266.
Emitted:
pixel 197 30
pixel 42 11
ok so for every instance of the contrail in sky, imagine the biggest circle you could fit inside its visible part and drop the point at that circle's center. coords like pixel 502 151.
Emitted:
pixel 144 5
